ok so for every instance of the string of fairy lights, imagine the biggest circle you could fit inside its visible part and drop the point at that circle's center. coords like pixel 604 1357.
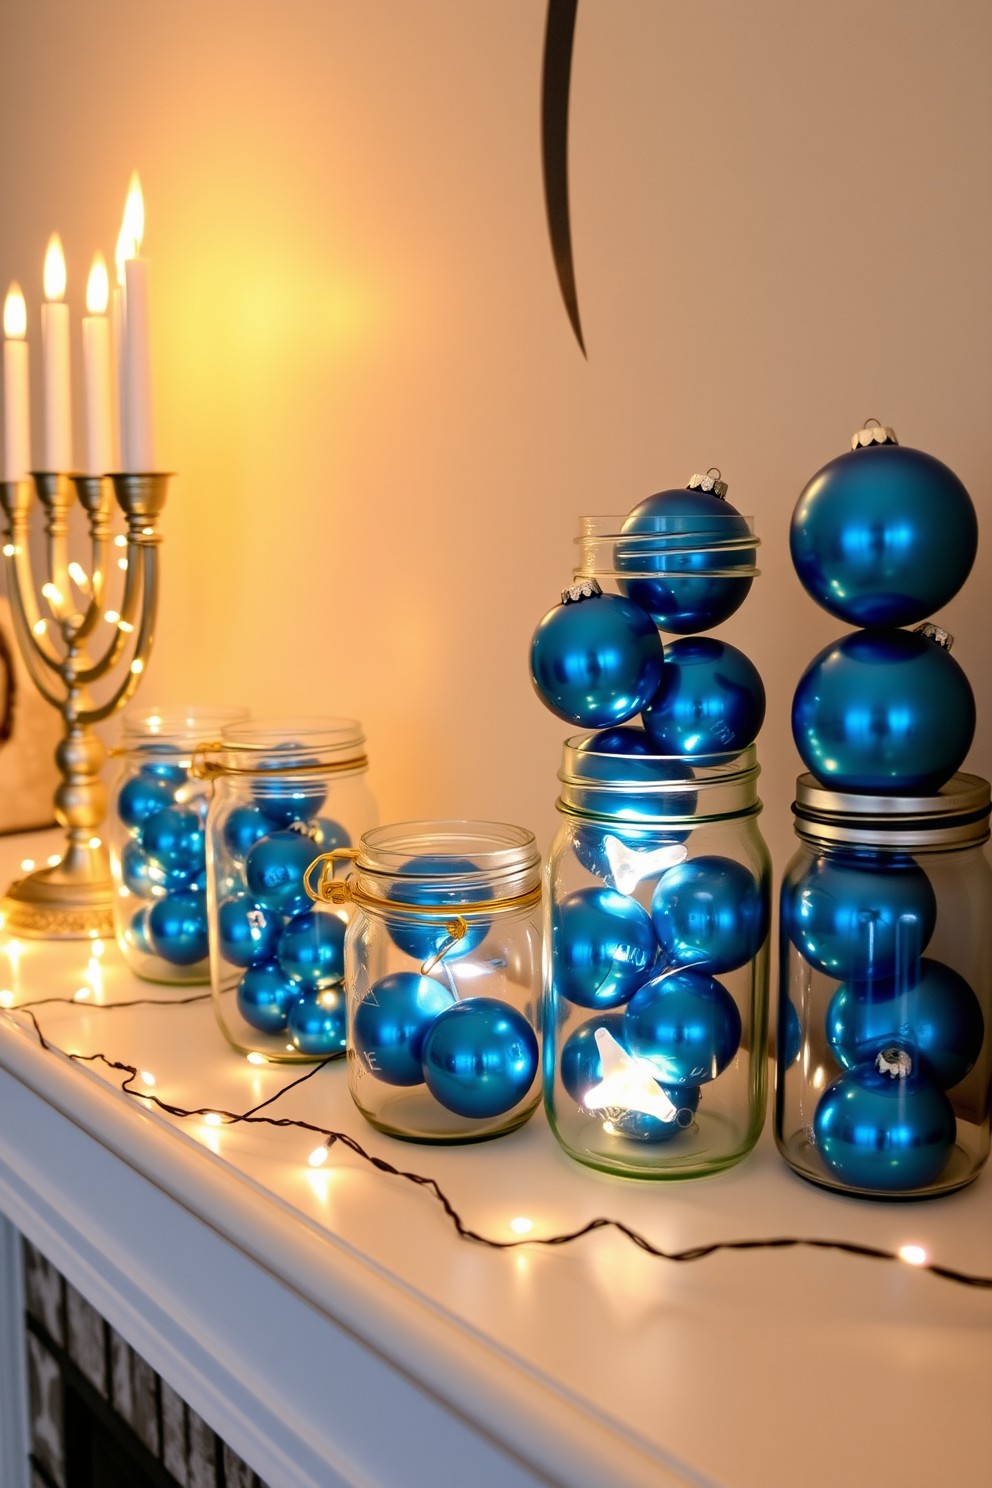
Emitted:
pixel 133 1076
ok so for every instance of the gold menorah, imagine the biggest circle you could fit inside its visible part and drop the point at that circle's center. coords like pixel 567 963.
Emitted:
pixel 73 899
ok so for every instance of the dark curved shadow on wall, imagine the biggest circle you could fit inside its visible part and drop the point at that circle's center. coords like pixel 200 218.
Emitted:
pixel 556 80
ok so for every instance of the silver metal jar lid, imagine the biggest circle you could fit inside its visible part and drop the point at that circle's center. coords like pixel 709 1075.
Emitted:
pixel 955 816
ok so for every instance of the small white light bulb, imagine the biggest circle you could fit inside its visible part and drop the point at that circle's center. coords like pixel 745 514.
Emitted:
pixel 521 1226
pixel 913 1255
pixel 254 1058
pixel 317 1157
pixel 212 1119
pixel 147 1078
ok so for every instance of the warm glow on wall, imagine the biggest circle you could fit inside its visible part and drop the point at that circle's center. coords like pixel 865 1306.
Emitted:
pixel 54 269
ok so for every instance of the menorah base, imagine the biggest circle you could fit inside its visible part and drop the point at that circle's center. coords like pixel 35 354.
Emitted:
pixel 54 905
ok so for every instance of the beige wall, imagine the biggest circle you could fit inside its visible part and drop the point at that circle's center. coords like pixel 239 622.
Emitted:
pixel 384 430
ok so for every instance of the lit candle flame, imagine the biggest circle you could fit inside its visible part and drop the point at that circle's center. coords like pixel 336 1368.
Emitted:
pixel 132 228
pixel 97 287
pixel 15 314
pixel 54 269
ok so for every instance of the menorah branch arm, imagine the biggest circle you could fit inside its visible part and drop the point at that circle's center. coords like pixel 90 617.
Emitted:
pixel 56 494
pixel 38 664
pixel 146 637
pixel 125 625
pixel 96 497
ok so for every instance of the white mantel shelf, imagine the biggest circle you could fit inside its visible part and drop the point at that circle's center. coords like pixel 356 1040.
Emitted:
pixel 330 1326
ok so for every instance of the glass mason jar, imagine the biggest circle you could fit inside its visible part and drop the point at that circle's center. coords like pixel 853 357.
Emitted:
pixel 689 568
pixel 656 962
pixel 156 839
pixel 885 990
pixel 285 791
pixel 443 972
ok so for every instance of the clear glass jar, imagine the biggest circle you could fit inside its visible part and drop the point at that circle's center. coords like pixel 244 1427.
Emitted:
pixel 690 572
pixel 443 972
pixel 884 1060
pixel 656 962
pixel 285 791
pixel 156 838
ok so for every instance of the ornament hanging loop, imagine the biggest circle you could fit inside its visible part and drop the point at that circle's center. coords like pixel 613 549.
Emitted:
pixel 873 432
pixel 456 930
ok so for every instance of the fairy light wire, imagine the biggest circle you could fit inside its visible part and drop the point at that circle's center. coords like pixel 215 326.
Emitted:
pixel 464 1231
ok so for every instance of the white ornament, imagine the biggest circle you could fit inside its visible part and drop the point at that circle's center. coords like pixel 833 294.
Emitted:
pixel 628 1083
pixel 629 867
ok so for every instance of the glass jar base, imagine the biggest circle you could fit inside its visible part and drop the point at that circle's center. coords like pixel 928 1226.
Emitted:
pixel 697 1152
pixel 435 1135
pixel 805 1162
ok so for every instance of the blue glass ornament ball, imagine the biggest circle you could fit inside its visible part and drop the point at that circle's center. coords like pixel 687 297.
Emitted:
pixel 242 829
pixel 327 835
pixel 142 797
pixel 686 1024
pixel 274 870
pixel 882 1133
pixel 887 712
pixel 421 940
pixel 480 1058
pixel 311 949
pixel 710 913
pixel 939 1019
pixel 169 770
pixel 884 536
pixel 247 934
pixel 138 931
pixel 317 1022
pixel 138 873
pixel 622 756
pixel 686 596
pixel 391 1022
pixel 177 927
pixel 596 662
pixel 174 839
pixel 603 947
pixel 265 995
pixel 582 1068
pixel 789 1034
pixel 711 699
pixel 860 919
pixel 291 797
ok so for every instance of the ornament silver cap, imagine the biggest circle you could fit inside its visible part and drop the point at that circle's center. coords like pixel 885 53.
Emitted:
pixel 583 589
pixel 873 433
pixel 710 483
pixel 935 633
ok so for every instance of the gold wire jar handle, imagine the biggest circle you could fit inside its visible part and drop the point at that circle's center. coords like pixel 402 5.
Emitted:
pixel 457 930
pixel 344 891
pixel 204 768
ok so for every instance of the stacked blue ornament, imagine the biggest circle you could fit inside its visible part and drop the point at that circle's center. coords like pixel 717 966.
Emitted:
pixel 289 951
pixel 882 537
pixel 164 862
pixel 683 564
pixel 478 1056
